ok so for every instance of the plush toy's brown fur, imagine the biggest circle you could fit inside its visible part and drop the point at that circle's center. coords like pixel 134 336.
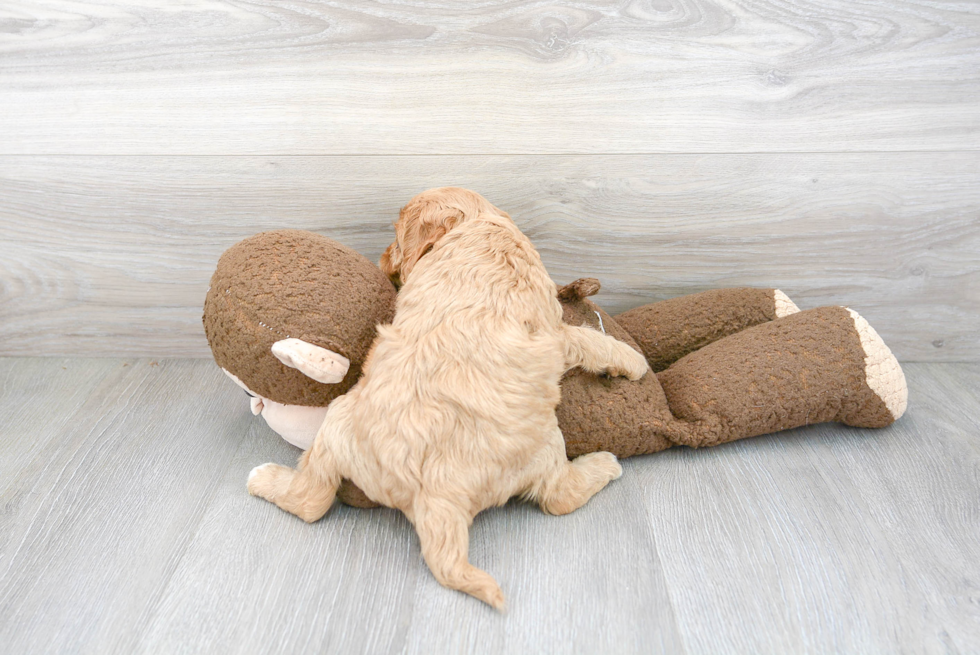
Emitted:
pixel 729 364
pixel 292 283
pixel 758 374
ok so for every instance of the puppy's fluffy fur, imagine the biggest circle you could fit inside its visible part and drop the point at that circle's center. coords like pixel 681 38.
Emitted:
pixel 455 411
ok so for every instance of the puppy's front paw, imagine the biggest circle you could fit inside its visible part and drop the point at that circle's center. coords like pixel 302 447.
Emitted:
pixel 269 480
pixel 632 365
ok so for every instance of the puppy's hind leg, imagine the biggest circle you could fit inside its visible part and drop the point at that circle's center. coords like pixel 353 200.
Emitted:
pixel 308 492
pixel 570 484
pixel 444 531
pixel 601 353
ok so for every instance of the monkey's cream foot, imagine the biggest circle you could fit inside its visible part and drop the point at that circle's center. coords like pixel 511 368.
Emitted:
pixel 883 372
pixel 782 304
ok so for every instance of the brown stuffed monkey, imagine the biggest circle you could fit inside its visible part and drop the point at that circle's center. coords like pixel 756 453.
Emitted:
pixel 728 364
pixel 290 316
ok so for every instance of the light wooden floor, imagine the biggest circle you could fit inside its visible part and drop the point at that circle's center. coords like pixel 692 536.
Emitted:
pixel 125 527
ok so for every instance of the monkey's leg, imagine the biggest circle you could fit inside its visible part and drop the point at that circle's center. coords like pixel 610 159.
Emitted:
pixel 670 329
pixel 824 364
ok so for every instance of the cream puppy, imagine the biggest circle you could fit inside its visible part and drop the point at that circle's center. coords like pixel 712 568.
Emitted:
pixel 455 411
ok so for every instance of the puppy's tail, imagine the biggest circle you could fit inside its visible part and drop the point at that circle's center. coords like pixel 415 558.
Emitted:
pixel 444 531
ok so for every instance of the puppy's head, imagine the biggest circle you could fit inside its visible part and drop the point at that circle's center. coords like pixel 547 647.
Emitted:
pixel 424 220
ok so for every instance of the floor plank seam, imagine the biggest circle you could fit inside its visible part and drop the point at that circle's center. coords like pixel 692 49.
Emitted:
pixel 208 500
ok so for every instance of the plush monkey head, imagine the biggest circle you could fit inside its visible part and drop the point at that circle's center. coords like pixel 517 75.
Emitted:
pixel 290 316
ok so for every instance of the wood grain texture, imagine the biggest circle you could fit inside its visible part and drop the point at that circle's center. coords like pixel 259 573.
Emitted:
pixel 112 255
pixel 259 580
pixel 590 589
pixel 97 519
pixel 830 523
pixel 348 77
pixel 40 400
pixel 131 531
pixel 356 582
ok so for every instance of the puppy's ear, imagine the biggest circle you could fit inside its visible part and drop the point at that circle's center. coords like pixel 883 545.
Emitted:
pixel 426 218
pixel 422 247
pixel 391 263
pixel 431 223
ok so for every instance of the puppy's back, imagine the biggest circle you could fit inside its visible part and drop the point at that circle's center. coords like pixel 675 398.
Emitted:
pixel 467 374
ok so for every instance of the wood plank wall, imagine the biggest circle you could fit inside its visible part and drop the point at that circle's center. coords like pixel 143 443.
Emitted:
pixel 665 146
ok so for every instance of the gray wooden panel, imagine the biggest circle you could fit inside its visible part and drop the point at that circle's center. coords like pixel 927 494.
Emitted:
pixel 258 580
pixel 349 77
pixel 588 582
pixel 134 532
pixel 829 539
pixel 112 255
pixel 95 523
pixel 39 398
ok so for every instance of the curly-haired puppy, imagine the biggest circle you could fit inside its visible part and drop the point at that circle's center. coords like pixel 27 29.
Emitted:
pixel 455 411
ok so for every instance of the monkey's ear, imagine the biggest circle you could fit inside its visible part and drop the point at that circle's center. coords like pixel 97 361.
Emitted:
pixel 313 361
pixel 580 288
